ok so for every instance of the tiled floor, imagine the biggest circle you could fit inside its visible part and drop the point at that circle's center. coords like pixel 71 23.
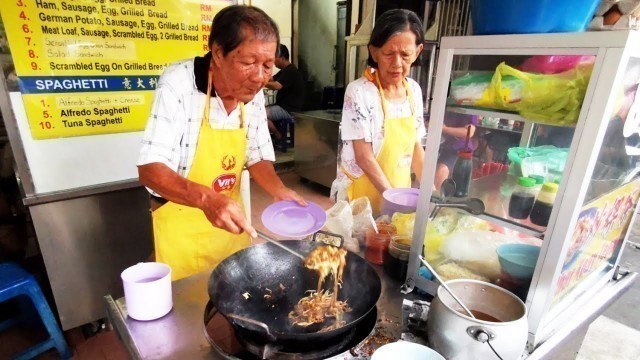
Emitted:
pixel 608 337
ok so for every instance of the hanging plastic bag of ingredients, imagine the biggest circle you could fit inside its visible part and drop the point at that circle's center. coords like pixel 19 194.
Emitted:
pixel 552 99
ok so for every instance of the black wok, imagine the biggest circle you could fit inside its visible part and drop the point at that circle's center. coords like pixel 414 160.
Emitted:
pixel 266 266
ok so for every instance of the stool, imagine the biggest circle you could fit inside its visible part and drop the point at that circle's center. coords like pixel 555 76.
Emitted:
pixel 14 281
pixel 286 128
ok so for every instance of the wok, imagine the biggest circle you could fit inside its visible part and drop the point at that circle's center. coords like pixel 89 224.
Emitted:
pixel 266 266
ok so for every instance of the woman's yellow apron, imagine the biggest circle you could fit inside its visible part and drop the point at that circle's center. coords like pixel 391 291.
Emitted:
pixel 184 238
pixel 394 157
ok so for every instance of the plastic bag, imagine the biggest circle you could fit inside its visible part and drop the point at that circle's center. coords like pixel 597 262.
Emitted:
pixel 351 244
pixel 553 99
pixel 340 220
pixel 470 89
pixel 362 218
pixel 362 214
pixel 548 161
pixel 437 229
pixel 472 223
pixel 476 251
pixel 404 223
pixel 554 64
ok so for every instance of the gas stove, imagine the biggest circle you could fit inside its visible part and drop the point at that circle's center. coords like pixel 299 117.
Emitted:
pixel 368 335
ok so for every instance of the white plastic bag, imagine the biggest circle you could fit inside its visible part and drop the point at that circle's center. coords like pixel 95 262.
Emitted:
pixel 476 251
pixel 362 214
pixel 362 218
pixel 340 220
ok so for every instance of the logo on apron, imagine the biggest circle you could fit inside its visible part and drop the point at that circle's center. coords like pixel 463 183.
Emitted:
pixel 405 161
pixel 228 162
pixel 224 183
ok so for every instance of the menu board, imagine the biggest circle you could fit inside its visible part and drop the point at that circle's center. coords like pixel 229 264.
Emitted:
pixel 600 231
pixel 89 67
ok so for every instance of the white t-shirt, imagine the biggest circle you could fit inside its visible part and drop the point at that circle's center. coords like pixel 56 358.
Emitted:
pixel 363 118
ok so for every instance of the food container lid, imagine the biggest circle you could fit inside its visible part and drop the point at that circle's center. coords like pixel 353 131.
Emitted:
pixel 526 182
pixel 550 187
pixel 538 178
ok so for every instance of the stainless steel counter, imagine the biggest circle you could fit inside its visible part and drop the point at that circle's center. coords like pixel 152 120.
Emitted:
pixel 87 237
pixel 180 334
pixel 317 140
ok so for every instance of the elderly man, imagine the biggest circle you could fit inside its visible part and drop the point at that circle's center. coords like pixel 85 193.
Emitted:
pixel 207 122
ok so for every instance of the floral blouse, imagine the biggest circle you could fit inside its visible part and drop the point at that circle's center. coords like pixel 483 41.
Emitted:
pixel 363 118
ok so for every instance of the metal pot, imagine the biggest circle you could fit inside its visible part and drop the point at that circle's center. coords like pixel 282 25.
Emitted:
pixel 457 336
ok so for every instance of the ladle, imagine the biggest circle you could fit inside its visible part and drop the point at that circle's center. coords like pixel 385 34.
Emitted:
pixel 435 274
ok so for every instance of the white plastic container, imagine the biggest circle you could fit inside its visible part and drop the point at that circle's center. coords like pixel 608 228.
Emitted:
pixel 147 290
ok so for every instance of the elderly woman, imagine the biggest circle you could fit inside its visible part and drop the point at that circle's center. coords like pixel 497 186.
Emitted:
pixel 382 121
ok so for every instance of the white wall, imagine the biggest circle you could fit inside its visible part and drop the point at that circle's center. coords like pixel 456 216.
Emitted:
pixel 280 12
pixel 318 31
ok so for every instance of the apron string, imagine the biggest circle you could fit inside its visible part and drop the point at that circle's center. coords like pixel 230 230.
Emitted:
pixel 207 105
pixel 383 100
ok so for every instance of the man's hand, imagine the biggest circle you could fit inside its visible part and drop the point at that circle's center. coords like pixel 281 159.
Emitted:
pixel 284 193
pixel 264 175
pixel 225 213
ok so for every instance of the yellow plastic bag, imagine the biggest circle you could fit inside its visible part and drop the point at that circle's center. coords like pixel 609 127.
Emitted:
pixel 553 99
pixel 404 223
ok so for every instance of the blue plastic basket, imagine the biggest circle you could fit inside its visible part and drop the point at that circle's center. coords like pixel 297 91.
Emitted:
pixel 531 16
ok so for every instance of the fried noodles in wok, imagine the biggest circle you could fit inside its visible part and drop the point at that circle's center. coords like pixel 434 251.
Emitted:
pixel 320 304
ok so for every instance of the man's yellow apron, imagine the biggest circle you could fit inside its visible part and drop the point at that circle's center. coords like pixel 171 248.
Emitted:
pixel 394 157
pixel 184 238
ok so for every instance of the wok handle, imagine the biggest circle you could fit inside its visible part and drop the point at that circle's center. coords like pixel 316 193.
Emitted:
pixel 251 321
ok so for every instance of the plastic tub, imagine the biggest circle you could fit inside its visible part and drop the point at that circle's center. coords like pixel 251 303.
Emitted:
pixel 531 16
pixel 402 200
pixel 518 260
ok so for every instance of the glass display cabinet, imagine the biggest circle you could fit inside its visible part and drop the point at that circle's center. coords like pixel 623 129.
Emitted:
pixel 562 112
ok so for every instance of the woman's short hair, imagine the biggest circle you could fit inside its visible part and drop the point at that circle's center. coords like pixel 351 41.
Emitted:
pixel 227 26
pixel 391 23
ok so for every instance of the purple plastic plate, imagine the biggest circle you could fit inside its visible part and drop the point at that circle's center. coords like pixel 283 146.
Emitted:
pixel 287 218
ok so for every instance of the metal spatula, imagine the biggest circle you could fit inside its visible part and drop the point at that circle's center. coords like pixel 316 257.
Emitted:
pixel 278 244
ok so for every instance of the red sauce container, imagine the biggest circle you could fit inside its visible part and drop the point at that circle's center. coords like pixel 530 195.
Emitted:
pixel 377 244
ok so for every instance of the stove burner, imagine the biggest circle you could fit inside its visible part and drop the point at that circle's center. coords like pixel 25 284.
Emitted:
pixel 298 351
pixel 233 345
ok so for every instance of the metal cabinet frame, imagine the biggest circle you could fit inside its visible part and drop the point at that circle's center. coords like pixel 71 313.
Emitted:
pixel 612 51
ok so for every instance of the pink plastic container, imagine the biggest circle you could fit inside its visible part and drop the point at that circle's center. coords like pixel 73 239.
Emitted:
pixel 147 290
